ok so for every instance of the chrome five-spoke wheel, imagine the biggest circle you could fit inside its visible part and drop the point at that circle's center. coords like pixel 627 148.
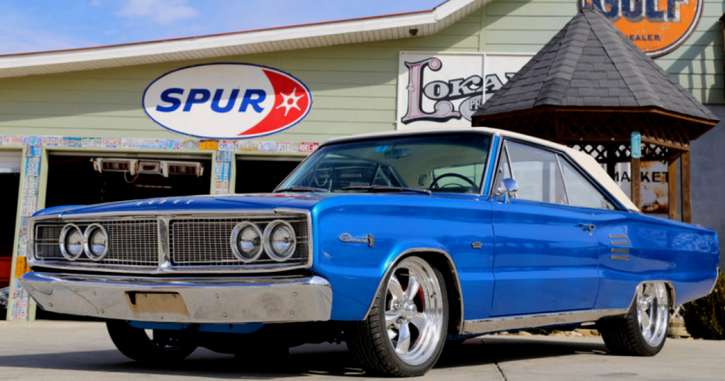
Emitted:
pixel 410 315
pixel 653 312
pixel 643 330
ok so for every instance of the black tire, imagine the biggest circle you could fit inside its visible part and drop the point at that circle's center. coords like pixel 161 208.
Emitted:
pixel 628 335
pixel 370 341
pixel 162 347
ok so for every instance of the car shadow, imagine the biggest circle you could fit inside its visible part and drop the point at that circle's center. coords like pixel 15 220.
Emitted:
pixel 501 349
pixel 318 360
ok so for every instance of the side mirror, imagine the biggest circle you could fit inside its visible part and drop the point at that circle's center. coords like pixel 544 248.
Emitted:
pixel 510 187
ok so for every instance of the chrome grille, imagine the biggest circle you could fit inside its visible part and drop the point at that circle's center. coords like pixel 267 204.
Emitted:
pixel 131 242
pixel 206 242
pixel 198 244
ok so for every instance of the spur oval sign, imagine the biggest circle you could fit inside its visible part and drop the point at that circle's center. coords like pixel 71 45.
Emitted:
pixel 227 101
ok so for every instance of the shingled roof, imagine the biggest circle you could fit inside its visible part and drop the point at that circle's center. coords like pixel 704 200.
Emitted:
pixel 591 64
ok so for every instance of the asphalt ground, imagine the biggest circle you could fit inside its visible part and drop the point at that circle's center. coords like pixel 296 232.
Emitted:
pixel 63 350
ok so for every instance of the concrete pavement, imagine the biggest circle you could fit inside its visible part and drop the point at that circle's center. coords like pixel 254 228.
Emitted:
pixel 62 350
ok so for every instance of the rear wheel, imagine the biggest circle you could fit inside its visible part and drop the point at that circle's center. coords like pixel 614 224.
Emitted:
pixel 406 328
pixel 159 346
pixel 643 331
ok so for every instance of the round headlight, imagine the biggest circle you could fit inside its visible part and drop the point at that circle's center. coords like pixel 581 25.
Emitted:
pixel 96 242
pixel 279 240
pixel 246 242
pixel 71 242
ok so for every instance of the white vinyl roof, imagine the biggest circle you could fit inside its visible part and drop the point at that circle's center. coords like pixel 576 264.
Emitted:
pixel 391 27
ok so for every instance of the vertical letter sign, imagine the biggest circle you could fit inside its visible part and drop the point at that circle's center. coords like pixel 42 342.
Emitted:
pixel 636 145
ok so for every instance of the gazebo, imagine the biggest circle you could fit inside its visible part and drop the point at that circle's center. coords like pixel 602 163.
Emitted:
pixel 590 88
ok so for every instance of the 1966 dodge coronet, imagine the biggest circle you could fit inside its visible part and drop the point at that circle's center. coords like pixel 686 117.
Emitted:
pixel 392 242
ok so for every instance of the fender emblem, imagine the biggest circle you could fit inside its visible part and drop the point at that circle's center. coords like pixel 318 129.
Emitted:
pixel 369 239
pixel 477 245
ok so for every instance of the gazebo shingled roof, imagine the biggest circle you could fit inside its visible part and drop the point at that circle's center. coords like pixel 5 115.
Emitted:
pixel 590 87
pixel 591 68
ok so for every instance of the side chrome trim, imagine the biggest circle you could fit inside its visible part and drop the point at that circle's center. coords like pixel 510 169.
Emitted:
pixel 410 252
pixel 619 257
pixel 534 321
pixel 619 243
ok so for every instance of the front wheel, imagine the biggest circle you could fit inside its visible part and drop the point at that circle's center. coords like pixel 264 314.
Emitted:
pixel 642 332
pixel 161 347
pixel 405 331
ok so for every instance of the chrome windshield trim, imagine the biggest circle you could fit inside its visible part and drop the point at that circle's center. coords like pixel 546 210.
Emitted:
pixel 534 321
pixel 563 181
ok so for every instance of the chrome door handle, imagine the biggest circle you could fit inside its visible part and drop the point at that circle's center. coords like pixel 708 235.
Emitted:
pixel 588 227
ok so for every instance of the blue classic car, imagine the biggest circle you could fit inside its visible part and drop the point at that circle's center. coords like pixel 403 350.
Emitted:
pixel 393 242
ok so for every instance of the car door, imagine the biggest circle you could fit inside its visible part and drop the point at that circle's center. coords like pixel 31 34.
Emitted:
pixel 545 256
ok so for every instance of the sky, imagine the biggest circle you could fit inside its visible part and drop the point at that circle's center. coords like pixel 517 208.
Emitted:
pixel 42 25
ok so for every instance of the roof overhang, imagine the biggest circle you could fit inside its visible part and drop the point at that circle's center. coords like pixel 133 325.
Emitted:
pixel 380 28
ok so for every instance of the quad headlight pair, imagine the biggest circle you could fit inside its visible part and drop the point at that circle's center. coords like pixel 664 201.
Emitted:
pixel 74 242
pixel 278 241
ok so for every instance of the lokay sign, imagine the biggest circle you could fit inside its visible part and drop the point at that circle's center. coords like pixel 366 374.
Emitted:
pixel 437 88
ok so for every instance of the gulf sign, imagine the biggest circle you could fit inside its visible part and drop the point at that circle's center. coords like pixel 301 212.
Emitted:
pixel 655 26
pixel 227 101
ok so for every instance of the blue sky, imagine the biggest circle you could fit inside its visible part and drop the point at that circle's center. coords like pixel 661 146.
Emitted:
pixel 40 25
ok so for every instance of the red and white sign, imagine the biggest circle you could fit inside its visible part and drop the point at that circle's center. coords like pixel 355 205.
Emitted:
pixel 227 101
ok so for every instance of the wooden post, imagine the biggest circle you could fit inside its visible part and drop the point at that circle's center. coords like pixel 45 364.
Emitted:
pixel 611 159
pixel 685 187
pixel 672 198
pixel 636 182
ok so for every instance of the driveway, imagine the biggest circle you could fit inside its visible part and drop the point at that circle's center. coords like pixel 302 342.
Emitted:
pixel 62 350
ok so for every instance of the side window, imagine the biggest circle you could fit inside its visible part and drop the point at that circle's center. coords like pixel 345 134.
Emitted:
pixel 537 173
pixel 581 191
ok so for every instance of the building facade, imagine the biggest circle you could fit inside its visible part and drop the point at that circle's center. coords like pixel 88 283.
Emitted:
pixel 71 121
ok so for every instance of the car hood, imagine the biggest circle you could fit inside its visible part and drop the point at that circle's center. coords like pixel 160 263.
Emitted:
pixel 190 204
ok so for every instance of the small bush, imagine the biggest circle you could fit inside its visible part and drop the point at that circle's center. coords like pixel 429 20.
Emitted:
pixel 705 317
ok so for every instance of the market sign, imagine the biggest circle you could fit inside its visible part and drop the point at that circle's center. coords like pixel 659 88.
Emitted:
pixel 655 26
pixel 436 89
pixel 227 101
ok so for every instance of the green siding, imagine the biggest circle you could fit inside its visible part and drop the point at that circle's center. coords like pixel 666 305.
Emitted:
pixel 354 86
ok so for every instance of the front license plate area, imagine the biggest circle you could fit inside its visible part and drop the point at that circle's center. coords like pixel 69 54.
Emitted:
pixel 157 302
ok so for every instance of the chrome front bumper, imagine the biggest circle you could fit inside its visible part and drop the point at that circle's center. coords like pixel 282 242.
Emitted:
pixel 183 300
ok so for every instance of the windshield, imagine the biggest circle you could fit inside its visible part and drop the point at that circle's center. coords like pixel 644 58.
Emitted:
pixel 438 163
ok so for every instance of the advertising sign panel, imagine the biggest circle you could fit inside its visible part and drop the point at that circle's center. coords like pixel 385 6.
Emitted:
pixel 227 101
pixel 654 190
pixel 655 26
pixel 447 88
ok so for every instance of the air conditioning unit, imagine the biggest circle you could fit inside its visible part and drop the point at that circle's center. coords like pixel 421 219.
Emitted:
pixel 148 167
pixel 116 165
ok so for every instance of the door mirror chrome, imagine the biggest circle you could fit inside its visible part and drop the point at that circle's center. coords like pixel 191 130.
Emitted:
pixel 509 188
